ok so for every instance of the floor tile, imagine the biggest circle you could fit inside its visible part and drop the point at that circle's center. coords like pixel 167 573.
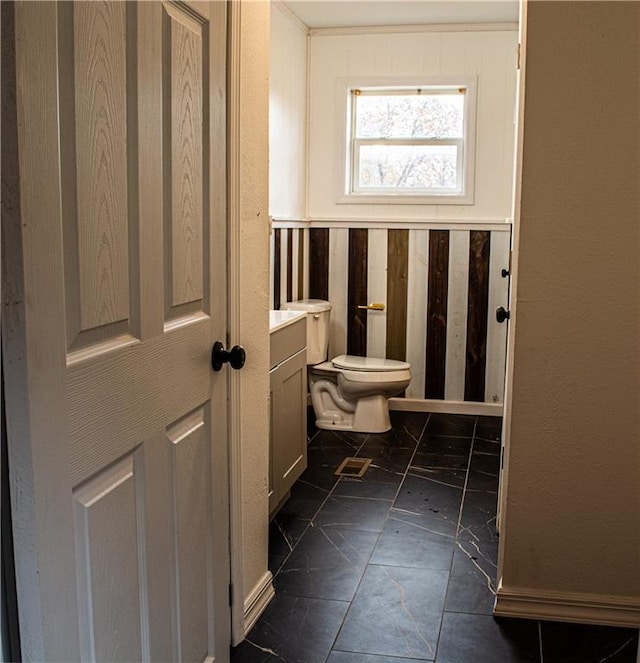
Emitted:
pixel 346 440
pixel 327 564
pixel 279 547
pixel 407 544
pixel 295 630
pixel 247 652
pixel 581 643
pixel 441 451
pixel 478 518
pixel 472 581
pixel 368 487
pixel 489 428
pixel 429 500
pixel 353 513
pixel 411 423
pixel 396 612
pixel 483 639
pixel 347 657
pixel 456 425
pixel 402 436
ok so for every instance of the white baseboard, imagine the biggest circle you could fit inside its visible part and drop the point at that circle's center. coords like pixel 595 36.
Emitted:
pixel 447 407
pixel 257 601
pixel 568 607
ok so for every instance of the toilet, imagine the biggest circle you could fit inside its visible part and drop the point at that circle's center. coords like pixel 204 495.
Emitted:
pixel 348 392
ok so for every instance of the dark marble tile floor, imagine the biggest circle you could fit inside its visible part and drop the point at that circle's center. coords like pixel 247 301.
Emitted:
pixel 400 566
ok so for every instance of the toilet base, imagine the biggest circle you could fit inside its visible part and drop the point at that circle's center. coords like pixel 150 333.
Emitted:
pixel 371 416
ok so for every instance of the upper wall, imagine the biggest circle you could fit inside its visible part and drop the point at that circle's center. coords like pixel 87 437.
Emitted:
pixel 287 115
pixel 491 56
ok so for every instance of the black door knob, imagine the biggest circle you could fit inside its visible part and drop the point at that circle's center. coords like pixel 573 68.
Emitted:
pixel 505 273
pixel 502 314
pixel 235 357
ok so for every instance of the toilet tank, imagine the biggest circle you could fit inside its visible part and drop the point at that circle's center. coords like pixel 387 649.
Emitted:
pixel 318 312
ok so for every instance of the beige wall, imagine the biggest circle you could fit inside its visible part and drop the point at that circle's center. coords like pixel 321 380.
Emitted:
pixel 572 519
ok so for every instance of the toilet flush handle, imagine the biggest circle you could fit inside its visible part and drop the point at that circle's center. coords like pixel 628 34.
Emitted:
pixel 372 307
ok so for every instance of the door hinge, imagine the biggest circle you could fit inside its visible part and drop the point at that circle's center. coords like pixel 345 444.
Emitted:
pixel 502 458
pixel 519 49
pixel 230 594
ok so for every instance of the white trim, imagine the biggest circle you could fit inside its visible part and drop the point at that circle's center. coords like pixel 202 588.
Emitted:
pixel 235 377
pixel 424 223
pixel 446 407
pixel 284 9
pixel 567 607
pixel 289 223
pixel 256 602
pixel 401 29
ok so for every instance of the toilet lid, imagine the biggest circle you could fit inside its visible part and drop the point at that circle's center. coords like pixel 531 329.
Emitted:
pixel 354 363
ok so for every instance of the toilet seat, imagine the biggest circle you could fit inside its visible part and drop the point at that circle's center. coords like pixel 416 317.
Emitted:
pixel 369 364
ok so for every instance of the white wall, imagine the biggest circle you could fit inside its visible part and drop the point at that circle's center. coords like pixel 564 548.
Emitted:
pixel 491 56
pixel 287 115
pixel 571 530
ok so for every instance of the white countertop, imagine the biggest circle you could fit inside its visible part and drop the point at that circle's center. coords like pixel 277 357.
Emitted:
pixel 280 319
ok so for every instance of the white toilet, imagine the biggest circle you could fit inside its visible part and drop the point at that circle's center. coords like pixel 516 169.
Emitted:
pixel 348 392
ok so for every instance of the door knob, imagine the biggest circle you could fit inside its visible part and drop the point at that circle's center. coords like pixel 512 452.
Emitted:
pixel 502 314
pixel 505 273
pixel 235 357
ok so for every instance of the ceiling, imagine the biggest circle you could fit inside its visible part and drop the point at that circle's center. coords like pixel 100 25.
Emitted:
pixel 356 13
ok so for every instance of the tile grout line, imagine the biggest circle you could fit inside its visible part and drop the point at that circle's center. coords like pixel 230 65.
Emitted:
pixel 464 492
pixel 540 640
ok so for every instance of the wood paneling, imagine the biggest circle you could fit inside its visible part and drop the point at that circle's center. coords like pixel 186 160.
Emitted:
pixel 435 368
pixel 290 264
pixel 496 332
pixel 301 263
pixel 397 282
pixel 437 287
pixel 479 248
pixel 319 263
pixel 377 288
pixel 357 295
pixel 457 305
pixel 277 267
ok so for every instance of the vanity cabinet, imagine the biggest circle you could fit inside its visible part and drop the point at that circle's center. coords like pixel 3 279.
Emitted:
pixel 288 411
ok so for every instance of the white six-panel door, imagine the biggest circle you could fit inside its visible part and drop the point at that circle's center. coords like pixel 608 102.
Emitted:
pixel 119 257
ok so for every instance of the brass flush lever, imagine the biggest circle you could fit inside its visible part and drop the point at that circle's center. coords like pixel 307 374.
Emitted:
pixel 372 307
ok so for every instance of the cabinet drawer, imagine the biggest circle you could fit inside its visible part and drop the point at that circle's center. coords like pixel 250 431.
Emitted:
pixel 286 341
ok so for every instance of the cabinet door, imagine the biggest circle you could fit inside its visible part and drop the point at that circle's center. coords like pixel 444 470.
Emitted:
pixel 288 425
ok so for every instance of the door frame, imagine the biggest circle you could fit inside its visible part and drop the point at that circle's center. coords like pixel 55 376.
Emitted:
pixel 513 286
pixel 234 46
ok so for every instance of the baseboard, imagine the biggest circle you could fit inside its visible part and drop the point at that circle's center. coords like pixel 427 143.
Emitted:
pixel 568 607
pixel 447 407
pixel 257 601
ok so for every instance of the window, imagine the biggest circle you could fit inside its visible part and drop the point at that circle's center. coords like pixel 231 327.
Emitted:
pixel 412 144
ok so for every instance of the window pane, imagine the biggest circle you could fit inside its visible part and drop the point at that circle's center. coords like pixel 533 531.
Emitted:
pixel 409 116
pixel 405 167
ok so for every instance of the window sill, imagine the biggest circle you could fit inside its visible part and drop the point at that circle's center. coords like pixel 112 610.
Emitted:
pixel 403 199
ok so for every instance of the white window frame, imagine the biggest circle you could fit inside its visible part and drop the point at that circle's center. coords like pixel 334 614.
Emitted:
pixel 351 193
